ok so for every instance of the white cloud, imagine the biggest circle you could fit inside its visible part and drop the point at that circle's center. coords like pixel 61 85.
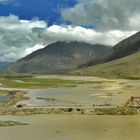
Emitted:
pixel 105 15
pixel 19 37
pixel 5 1
pixel 32 49
pixel 1 1
pixel 78 33
pixel 16 36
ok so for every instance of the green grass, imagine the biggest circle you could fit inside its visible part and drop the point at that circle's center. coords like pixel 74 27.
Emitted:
pixel 3 92
pixel 127 67
pixel 32 82
pixel 10 123
pixel 11 92
pixel 15 76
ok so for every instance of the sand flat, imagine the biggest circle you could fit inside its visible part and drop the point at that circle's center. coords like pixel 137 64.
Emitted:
pixel 73 127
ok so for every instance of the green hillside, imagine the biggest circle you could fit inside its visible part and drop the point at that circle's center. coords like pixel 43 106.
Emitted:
pixel 126 67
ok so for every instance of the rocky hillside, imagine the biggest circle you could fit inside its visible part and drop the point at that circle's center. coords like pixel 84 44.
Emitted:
pixel 59 56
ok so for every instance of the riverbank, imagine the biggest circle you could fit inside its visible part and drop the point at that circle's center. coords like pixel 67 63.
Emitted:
pixel 9 98
pixel 71 110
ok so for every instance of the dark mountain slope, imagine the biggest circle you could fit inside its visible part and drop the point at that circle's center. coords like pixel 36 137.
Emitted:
pixel 56 57
pixel 124 48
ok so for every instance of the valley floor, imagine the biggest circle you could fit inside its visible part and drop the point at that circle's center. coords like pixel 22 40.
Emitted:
pixel 83 92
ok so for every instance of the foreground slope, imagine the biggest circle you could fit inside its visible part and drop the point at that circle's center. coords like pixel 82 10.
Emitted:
pixel 126 67
pixel 56 57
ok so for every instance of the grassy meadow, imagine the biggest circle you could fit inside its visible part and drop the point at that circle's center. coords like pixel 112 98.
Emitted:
pixel 127 67
pixel 32 81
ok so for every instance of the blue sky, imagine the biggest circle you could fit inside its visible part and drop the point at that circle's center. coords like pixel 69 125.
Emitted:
pixel 49 10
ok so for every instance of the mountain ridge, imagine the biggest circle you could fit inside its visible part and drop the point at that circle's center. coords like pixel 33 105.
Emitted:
pixel 122 62
pixel 57 56
pixel 124 48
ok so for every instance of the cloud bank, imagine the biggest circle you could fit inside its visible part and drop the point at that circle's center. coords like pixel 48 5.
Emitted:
pixel 105 15
pixel 19 37
pixel 16 35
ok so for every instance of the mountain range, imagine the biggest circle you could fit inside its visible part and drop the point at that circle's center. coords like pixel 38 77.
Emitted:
pixel 3 64
pixel 121 60
pixel 59 56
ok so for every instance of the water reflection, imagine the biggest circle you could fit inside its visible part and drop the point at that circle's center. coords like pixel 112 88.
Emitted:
pixel 4 98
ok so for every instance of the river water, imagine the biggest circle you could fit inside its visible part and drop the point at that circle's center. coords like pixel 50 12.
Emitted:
pixel 97 93
pixel 83 94
pixel 4 98
pixel 80 95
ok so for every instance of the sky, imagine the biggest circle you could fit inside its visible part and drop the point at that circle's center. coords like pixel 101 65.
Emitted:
pixel 28 25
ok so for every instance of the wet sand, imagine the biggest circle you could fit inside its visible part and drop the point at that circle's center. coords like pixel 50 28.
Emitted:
pixel 118 92
pixel 73 127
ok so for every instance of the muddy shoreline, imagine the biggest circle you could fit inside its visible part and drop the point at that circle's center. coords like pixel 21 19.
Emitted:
pixel 102 97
